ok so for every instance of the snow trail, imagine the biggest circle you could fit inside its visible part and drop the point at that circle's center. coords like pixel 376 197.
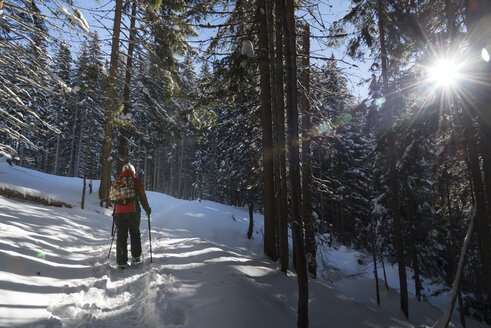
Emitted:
pixel 54 270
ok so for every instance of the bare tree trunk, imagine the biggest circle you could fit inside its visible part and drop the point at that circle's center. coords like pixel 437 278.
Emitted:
pixel 123 139
pixel 250 230
pixel 46 157
pixel 282 201
pixel 145 174
pixel 294 166
pixel 485 129
pixel 451 28
pixel 453 242
pixel 158 169
pixel 266 121
pixel 171 178
pixel 375 272
pixel 274 110
pixel 250 194
pixel 392 166
pixel 414 251
pixel 478 15
pixel 417 279
pixel 445 319
pixel 86 158
pixel 55 169
pixel 310 244
pixel 478 188
pixel 111 105
pixel 180 170
pixel 383 269
pixel 155 168
pixel 72 146
pixel 76 171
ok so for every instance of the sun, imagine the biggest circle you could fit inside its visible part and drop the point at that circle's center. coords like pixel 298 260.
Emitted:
pixel 444 73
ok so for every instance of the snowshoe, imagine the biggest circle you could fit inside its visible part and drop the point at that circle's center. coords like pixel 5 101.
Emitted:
pixel 137 260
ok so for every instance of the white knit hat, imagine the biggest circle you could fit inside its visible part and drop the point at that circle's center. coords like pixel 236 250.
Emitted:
pixel 129 167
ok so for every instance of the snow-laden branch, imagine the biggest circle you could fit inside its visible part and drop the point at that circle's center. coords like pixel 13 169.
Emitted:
pixel 76 19
pixel 154 102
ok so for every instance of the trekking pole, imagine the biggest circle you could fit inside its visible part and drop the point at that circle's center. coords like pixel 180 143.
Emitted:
pixel 150 238
pixel 113 230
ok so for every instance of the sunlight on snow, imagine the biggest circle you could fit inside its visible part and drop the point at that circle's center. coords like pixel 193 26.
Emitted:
pixel 195 215
pixel 254 271
pixel 196 253
pixel 227 259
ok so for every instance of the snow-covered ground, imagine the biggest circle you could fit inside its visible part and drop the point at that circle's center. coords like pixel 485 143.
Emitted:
pixel 54 270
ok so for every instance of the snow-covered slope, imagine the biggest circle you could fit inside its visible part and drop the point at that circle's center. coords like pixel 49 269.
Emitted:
pixel 54 270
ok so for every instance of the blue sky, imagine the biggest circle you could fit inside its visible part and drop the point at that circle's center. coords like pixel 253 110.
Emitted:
pixel 99 15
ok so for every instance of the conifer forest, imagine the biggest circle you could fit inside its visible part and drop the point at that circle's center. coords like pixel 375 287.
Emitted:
pixel 366 124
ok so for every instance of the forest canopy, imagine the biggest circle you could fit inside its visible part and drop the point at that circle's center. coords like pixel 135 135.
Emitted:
pixel 252 103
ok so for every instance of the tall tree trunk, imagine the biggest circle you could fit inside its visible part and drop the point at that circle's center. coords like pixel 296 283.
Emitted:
pixel 86 158
pixel 111 105
pixel 55 169
pixel 310 244
pixel 76 171
pixel 155 168
pixel 45 160
pixel 123 139
pixel 294 166
pixel 483 231
pixel 274 111
pixel 415 261
pixel 392 165
pixel 375 271
pixel 250 230
pixel 180 170
pixel 72 146
pixel 171 178
pixel 145 174
pixel 453 241
pixel 266 121
pixel 383 269
pixel 478 14
pixel 452 29
pixel 485 129
pixel 158 169
pixel 282 201
pixel 445 319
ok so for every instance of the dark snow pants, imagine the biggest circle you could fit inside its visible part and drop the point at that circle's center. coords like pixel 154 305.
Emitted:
pixel 127 222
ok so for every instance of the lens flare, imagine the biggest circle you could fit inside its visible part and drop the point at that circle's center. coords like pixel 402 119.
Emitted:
pixel 485 55
pixel 444 73
pixel 380 101
pixel 324 127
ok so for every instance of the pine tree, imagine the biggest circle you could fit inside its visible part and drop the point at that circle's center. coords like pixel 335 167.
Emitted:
pixel 24 67
pixel 59 104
